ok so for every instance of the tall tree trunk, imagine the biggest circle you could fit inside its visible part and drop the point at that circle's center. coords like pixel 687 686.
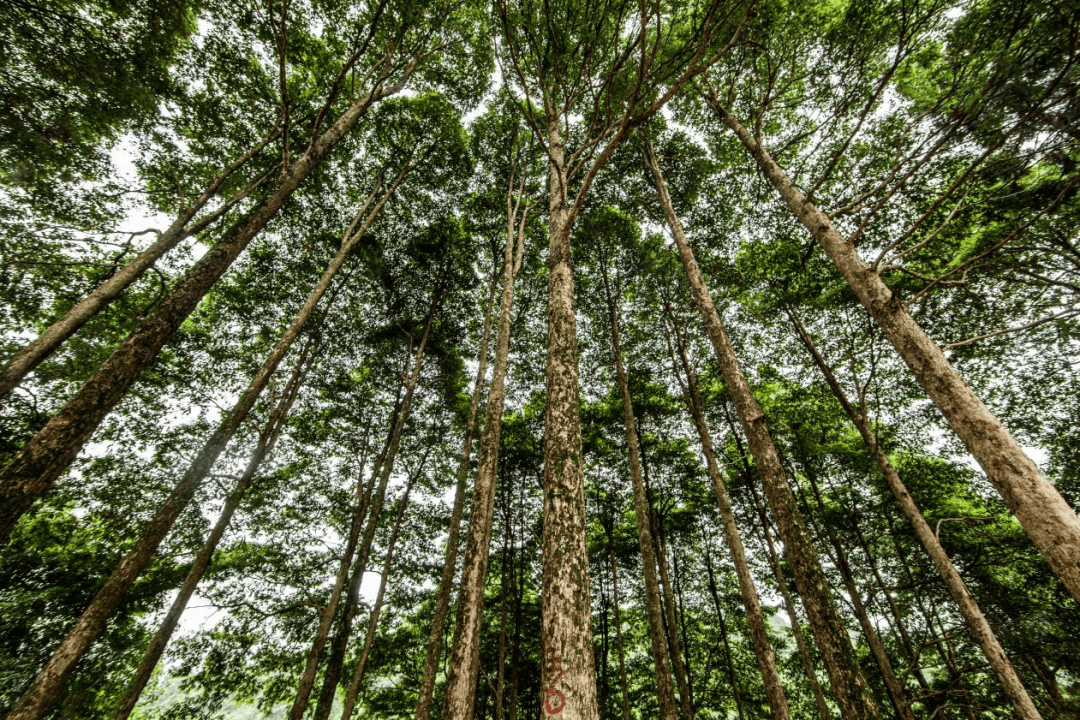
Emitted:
pixel 661 662
pixel 1044 514
pixel 265 444
pixel 38 350
pixel 36 467
pixel 848 683
pixel 328 613
pixel 732 678
pixel 877 648
pixel 618 631
pixel 39 697
pixel 999 662
pixel 446 580
pixel 465 652
pixel 373 620
pixel 340 643
pixel 755 618
pixel 680 610
pixel 500 672
pixel 568 681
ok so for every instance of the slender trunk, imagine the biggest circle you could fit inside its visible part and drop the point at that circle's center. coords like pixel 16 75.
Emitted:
pixel 515 646
pixel 877 648
pixel 33 353
pixel 672 630
pixel 781 581
pixel 568 681
pixel 38 698
pixel 49 453
pixel 326 616
pixel 661 662
pixel 500 673
pixel 999 662
pixel 732 678
pixel 446 580
pixel 846 676
pixel 267 439
pixel 465 652
pixel 618 631
pixel 751 602
pixel 1044 514
pixel 340 642
pixel 680 610
pixel 373 621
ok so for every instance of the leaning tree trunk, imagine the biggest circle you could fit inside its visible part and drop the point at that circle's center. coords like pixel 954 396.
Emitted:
pixel 464 667
pixel 39 697
pixel 1044 514
pixel 376 609
pixel 848 683
pixel 969 607
pixel 446 580
pixel 35 352
pixel 336 659
pixel 672 630
pixel 49 453
pixel 755 618
pixel 665 693
pixel 618 631
pixel 265 444
pixel 732 678
pixel 568 680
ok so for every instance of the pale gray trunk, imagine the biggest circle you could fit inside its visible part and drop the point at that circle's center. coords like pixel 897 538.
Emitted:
pixel 969 607
pixel 1044 514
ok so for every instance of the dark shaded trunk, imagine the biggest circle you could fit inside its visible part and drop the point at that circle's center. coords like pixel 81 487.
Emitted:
pixel 36 467
pixel 1044 514
pixel 848 683
pixel 999 662
pixel 618 631
pixel 265 444
pixel 669 616
pixel 755 618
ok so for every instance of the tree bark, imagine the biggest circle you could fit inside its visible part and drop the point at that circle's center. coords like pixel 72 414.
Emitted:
pixel 1044 514
pixel 568 681
pixel 999 662
pixel 755 618
pixel 672 629
pixel 446 580
pixel 36 467
pixel 661 662
pixel 848 683
pixel 373 620
pixel 267 439
pixel 465 652
pixel 35 352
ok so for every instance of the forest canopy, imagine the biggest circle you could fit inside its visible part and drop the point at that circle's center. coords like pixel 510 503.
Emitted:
pixel 572 359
